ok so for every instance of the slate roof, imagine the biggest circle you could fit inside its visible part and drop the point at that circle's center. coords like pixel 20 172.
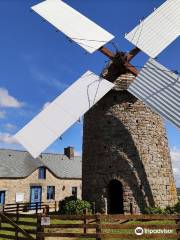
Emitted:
pixel 20 164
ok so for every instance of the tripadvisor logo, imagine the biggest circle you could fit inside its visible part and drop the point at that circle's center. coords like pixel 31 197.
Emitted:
pixel 140 231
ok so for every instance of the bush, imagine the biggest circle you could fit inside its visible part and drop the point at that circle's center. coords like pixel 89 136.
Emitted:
pixel 177 207
pixel 153 210
pixel 63 202
pixel 70 205
pixel 168 210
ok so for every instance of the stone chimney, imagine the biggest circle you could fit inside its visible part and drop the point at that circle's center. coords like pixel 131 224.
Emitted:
pixel 69 152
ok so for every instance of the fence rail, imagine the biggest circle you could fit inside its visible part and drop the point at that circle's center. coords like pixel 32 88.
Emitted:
pixel 108 226
pixel 27 206
pixel 93 226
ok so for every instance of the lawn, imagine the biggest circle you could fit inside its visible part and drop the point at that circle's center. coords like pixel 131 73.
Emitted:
pixel 122 231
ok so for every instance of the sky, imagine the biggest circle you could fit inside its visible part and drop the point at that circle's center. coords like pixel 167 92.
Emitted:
pixel 37 63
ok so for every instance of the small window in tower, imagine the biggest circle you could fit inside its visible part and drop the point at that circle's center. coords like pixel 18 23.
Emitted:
pixel 50 192
pixel 74 192
pixel 42 173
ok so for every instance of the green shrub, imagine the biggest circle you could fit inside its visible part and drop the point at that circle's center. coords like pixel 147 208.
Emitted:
pixel 168 210
pixel 153 210
pixel 177 207
pixel 63 202
pixel 71 206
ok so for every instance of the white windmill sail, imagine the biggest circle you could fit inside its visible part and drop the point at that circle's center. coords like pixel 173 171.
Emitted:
pixel 76 26
pixel 158 30
pixel 63 112
pixel 159 88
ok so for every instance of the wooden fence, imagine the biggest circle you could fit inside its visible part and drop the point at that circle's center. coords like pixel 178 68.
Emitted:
pixel 112 227
pixel 40 226
pixel 25 207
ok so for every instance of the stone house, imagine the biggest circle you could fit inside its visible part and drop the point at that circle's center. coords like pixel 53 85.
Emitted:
pixel 47 178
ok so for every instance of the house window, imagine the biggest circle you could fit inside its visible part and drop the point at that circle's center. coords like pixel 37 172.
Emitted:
pixel 74 192
pixel 2 197
pixel 42 173
pixel 50 192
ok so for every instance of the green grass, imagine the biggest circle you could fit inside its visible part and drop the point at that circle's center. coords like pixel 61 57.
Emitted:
pixel 25 227
pixel 121 231
pixel 53 221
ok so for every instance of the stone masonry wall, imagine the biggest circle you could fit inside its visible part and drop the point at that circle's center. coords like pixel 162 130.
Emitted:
pixel 63 187
pixel 125 140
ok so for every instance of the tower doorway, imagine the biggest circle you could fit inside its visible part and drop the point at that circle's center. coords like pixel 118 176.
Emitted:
pixel 115 190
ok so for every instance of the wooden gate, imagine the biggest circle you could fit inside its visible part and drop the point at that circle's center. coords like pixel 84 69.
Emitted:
pixel 13 227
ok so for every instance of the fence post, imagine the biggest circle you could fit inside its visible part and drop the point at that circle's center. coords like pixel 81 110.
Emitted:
pixel 1 210
pixel 55 206
pixel 36 207
pixel 40 229
pixel 178 227
pixel 17 220
pixel 17 212
pixel 98 228
pixel 46 210
pixel 85 212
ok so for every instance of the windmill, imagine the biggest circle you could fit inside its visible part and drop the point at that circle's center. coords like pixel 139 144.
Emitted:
pixel 104 152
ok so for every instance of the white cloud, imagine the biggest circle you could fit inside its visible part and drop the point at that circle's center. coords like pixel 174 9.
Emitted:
pixel 9 126
pixel 7 138
pixel 175 157
pixel 7 100
pixel 2 114
pixel 47 79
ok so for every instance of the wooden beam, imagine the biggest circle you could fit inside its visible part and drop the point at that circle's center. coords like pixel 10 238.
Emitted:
pixel 21 230
pixel 126 63
pixel 131 68
pixel 132 54
pixel 106 52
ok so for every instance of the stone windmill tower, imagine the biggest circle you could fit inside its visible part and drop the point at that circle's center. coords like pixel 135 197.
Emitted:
pixel 126 158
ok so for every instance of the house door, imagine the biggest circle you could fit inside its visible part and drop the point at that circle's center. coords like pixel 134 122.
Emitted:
pixel 115 197
pixel 2 197
pixel 36 194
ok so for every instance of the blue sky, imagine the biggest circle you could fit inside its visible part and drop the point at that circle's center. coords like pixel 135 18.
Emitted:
pixel 37 63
